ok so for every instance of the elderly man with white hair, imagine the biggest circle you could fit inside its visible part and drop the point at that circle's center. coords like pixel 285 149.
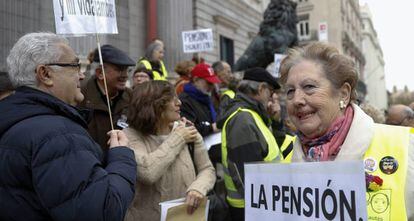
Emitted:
pixel 51 169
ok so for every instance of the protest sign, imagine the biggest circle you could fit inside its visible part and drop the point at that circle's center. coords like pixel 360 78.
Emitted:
pixel 278 60
pixel 305 191
pixel 198 40
pixel 85 16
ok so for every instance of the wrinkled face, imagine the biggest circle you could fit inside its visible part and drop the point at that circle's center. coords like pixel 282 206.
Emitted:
pixel 265 94
pixel 66 79
pixel 172 111
pixel 158 53
pixel 311 102
pixel 116 77
pixel 225 75
pixel 203 85
pixel 140 77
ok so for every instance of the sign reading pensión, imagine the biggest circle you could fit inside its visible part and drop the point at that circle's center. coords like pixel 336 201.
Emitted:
pixel 197 40
pixel 305 191
pixel 85 16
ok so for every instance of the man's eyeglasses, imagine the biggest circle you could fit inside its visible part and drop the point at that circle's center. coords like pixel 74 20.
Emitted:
pixel 80 66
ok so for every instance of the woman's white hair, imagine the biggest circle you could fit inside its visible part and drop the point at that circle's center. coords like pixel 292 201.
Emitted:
pixel 30 51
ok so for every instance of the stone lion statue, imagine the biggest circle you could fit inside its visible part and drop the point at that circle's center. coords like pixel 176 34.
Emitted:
pixel 277 33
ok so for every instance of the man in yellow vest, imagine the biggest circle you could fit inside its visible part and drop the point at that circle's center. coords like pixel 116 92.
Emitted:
pixel 246 136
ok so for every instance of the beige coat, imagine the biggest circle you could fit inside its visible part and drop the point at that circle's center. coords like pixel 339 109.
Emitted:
pixel 166 172
pixel 360 135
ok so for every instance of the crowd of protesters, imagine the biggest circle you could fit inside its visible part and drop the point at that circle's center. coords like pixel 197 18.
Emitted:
pixel 112 147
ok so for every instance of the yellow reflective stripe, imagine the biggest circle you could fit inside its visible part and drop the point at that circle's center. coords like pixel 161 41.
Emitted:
pixel 238 203
pixel 288 141
pixel 391 141
pixel 164 71
pixel 233 198
pixel 224 140
pixel 146 64
pixel 229 93
pixel 157 76
pixel 273 149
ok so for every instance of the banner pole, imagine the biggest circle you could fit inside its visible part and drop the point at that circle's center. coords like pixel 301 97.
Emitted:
pixel 106 87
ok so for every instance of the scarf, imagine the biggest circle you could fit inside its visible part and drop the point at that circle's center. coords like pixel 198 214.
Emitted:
pixel 201 97
pixel 328 146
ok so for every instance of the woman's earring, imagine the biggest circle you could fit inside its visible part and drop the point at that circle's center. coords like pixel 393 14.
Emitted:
pixel 342 104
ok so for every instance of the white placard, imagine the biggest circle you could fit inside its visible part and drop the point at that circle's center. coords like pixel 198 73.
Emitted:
pixel 305 191
pixel 212 139
pixel 278 60
pixel 177 202
pixel 198 40
pixel 85 16
pixel 323 31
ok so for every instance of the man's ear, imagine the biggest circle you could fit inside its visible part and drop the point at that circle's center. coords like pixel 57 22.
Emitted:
pixel 43 76
pixel 99 74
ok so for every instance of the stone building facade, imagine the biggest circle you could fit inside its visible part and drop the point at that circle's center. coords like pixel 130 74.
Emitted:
pixel 374 75
pixel 234 24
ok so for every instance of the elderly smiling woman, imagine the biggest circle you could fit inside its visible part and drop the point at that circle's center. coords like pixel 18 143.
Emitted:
pixel 320 88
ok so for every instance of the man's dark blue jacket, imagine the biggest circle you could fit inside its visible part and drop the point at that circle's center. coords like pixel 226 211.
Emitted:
pixel 51 169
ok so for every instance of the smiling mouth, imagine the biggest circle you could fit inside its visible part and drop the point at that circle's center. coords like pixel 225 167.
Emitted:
pixel 304 116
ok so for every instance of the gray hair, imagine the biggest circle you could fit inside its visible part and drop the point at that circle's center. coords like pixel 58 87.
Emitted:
pixel 150 50
pixel 249 87
pixel 30 51
pixel 217 66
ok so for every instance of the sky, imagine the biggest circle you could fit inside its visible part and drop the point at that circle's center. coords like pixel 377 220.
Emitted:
pixel 394 23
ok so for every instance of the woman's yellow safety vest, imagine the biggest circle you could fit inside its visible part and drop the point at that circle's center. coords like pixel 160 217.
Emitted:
pixel 157 76
pixel 387 152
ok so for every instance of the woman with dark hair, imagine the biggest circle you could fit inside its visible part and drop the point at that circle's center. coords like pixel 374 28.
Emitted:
pixel 183 69
pixel 141 75
pixel 172 161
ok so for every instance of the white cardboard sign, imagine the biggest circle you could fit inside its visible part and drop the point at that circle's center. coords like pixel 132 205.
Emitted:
pixel 323 31
pixel 305 191
pixel 278 60
pixel 85 16
pixel 198 40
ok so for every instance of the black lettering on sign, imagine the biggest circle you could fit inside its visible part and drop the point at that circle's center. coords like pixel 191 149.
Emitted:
pixel 81 4
pixel 329 193
pixel 308 202
pixel 252 203
pixel 350 206
pixel 62 10
pixel 295 200
pixel 275 196
pixel 285 199
pixel 262 197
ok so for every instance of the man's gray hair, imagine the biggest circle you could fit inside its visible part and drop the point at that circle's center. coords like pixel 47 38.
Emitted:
pixel 217 66
pixel 30 51
pixel 249 87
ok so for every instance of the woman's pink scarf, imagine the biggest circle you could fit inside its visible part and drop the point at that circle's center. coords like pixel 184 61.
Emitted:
pixel 328 146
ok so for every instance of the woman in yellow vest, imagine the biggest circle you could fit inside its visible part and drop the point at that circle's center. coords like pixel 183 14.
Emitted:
pixel 320 83
pixel 153 61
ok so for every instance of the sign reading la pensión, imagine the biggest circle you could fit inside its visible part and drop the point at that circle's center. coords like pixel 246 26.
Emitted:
pixel 197 40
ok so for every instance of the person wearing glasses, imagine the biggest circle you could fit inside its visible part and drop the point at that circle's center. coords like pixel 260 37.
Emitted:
pixel 51 169
pixel 400 115
pixel 247 135
pixel 115 65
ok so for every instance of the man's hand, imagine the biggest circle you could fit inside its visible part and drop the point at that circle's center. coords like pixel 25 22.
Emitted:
pixel 117 138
